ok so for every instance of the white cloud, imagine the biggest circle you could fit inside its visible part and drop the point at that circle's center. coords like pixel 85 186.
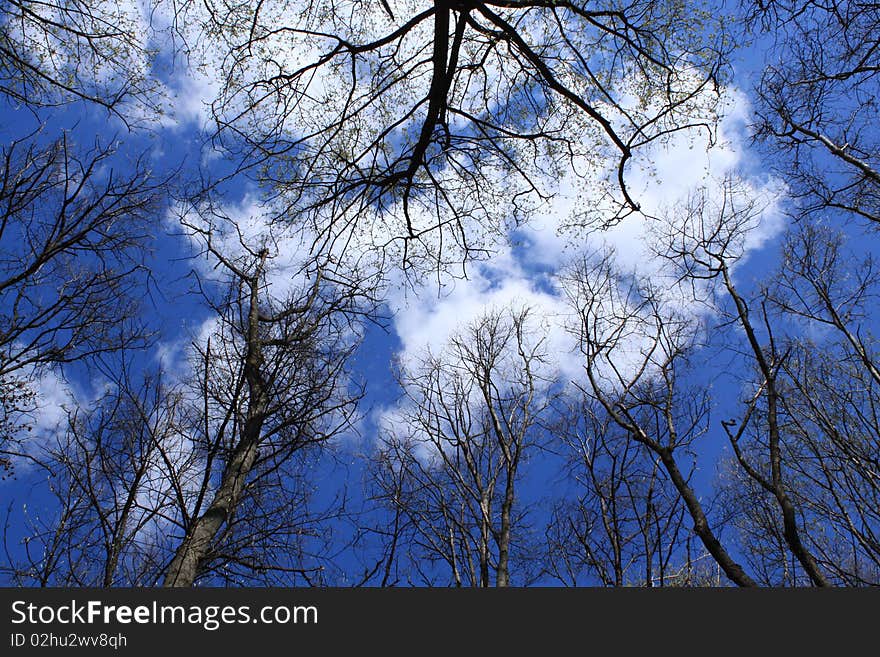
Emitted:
pixel 54 398
pixel 186 98
pixel 525 266
pixel 525 272
pixel 46 413
pixel 238 231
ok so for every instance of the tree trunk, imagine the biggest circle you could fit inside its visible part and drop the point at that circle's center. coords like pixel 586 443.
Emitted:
pixel 187 561
pixel 701 524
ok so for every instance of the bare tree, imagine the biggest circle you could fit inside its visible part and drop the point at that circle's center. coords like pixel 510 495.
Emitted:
pixel 200 474
pixel 272 381
pixel 803 469
pixel 624 525
pixel 827 399
pixel 115 470
pixel 817 102
pixel 449 464
pixel 705 246
pixel 71 231
pixel 635 345
pixel 52 52
pixel 425 129
pixel 72 238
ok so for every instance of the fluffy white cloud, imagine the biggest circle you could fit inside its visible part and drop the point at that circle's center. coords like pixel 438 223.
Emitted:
pixel 526 270
pixel 526 263
pixel 44 412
